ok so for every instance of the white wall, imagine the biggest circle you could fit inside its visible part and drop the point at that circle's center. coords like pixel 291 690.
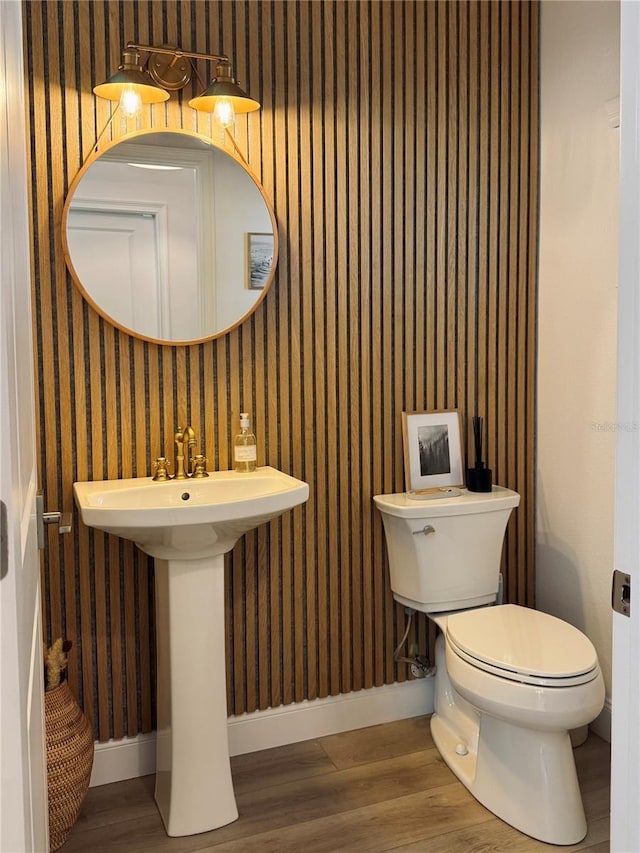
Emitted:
pixel 577 317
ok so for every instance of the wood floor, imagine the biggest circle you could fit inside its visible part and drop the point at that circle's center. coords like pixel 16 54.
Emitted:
pixel 375 789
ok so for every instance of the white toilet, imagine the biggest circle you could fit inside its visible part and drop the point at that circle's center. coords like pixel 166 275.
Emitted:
pixel 510 681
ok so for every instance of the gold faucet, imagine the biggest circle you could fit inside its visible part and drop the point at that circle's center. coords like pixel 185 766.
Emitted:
pixel 184 438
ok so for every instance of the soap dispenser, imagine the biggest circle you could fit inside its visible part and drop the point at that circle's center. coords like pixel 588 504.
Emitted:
pixel 244 447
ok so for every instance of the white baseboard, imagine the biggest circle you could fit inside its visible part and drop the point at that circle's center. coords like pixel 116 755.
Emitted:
pixel 128 758
pixel 136 756
pixel 602 723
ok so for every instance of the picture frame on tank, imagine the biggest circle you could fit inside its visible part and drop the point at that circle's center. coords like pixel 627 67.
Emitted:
pixel 432 451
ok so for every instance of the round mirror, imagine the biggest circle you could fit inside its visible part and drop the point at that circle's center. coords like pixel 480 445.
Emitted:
pixel 169 237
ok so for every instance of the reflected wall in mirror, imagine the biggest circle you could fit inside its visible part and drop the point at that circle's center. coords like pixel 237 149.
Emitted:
pixel 155 232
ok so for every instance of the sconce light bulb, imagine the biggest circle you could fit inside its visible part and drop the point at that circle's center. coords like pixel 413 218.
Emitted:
pixel 130 102
pixel 224 112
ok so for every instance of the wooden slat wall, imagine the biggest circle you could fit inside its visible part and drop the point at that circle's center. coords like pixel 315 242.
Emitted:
pixel 399 143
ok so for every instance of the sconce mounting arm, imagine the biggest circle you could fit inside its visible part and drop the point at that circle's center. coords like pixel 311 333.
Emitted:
pixel 170 67
pixel 176 51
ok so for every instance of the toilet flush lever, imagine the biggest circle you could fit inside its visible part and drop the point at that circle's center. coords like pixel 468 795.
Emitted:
pixel 426 530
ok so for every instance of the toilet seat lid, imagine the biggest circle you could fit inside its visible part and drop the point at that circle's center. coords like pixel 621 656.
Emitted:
pixel 522 644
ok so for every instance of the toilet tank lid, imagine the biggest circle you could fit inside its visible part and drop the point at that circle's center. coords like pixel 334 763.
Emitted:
pixel 467 503
pixel 523 640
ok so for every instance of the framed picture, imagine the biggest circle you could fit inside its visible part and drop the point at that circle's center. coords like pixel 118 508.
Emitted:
pixel 432 450
pixel 259 259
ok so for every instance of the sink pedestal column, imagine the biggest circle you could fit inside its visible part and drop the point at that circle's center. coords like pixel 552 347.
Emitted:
pixel 194 791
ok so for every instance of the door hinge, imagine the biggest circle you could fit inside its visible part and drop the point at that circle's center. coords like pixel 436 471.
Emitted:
pixel 621 593
pixel 4 541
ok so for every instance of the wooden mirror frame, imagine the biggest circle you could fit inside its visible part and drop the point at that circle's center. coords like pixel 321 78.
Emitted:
pixel 131 137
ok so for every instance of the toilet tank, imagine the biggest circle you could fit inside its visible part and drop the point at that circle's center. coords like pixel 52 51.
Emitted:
pixel 455 564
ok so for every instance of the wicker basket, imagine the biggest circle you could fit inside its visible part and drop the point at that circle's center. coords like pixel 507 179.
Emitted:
pixel 69 761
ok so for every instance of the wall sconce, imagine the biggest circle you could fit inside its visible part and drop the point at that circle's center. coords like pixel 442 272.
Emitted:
pixel 168 69
pixel 224 98
pixel 131 86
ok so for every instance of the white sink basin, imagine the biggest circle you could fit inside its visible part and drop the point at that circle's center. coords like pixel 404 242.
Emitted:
pixel 202 517
pixel 187 526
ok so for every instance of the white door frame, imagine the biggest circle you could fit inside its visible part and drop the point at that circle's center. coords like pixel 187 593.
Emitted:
pixel 23 791
pixel 625 735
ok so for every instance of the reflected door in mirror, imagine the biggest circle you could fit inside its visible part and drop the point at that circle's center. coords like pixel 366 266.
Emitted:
pixel 127 286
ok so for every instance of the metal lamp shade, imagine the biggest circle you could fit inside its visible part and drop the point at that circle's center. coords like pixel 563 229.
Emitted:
pixel 131 76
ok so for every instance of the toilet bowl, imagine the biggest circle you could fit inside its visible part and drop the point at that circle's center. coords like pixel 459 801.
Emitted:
pixel 510 682
pixel 523 666
pixel 513 750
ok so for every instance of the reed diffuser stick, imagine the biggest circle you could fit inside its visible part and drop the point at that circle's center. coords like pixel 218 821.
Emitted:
pixel 477 437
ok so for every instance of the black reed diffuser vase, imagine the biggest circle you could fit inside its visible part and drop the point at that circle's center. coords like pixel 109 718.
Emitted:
pixel 479 478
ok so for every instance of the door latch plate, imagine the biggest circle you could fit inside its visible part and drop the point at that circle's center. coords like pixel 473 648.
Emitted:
pixel 621 593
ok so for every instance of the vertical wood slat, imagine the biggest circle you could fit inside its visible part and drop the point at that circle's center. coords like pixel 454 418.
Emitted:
pixel 74 26
pixel 354 426
pixel 61 404
pixel 376 397
pixel 363 449
pixel 403 367
pixel 388 297
pixel 472 236
pixel 406 201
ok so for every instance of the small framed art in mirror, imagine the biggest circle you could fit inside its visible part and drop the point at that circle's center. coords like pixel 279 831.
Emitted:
pixel 259 259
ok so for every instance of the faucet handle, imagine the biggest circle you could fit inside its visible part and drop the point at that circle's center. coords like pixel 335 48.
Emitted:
pixel 160 469
pixel 199 467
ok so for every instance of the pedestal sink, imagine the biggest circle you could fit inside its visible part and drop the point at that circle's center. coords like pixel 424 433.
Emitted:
pixel 187 526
